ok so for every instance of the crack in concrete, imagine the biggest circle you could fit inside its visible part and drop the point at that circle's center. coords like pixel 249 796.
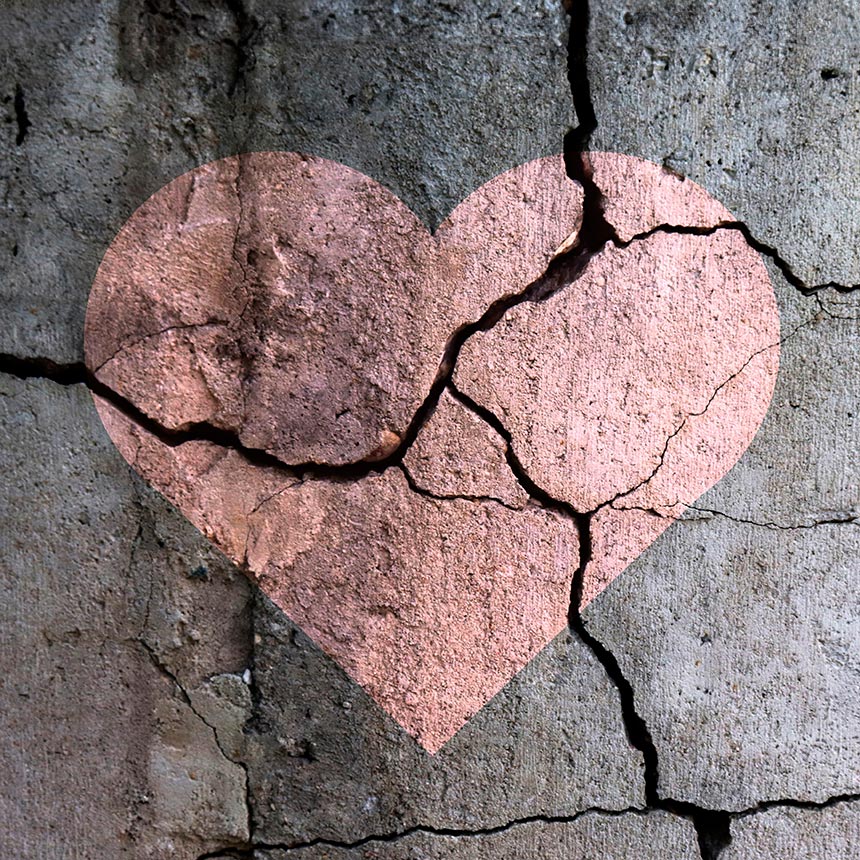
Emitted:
pixel 835 520
pixel 794 803
pixel 423 829
pixel 562 271
pixel 683 423
pixel 168 673
pixel 247 28
pixel 131 344
pixel 755 243
pixel 524 821
pixel 712 826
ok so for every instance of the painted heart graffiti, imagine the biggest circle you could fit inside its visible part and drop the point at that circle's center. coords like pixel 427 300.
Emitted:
pixel 296 311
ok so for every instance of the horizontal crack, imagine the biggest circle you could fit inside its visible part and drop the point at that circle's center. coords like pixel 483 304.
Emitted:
pixel 847 519
pixel 725 816
pixel 427 830
pixel 756 244
pixel 793 803
pixel 451 497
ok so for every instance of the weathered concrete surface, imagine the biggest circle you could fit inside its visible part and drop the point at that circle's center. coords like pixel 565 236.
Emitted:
pixel 797 834
pixel 739 630
pixel 657 835
pixel 102 581
pixel 117 111
pixel 122 97
pixel 757 102
pixel 431 605
pixel 326 762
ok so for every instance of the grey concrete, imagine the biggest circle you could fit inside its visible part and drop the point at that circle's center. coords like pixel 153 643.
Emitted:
pixel 326 762
pixel 656 835
pixel 739 627
pixel 139 699
pixel 431 100
pixel 756 100
pixel 101 748
pixel 797 834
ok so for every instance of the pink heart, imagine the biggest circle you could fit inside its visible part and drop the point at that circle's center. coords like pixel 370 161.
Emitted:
pixel 296 306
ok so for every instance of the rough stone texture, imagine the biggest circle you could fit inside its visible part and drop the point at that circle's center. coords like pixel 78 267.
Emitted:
pixel 458 454
pixel 300 305
pixel 111 100
pixel 124 96
pixel 657 835
pixel 758 102
pixel 102 751
pixel 326 762
pixel 797 834
pixel 740 638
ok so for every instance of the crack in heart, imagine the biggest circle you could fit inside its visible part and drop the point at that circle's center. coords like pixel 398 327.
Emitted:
pixel 274 308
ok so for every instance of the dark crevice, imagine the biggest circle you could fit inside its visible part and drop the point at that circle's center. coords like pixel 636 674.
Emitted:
pixel 535 492
pixel 425 830
pixel 78 373
pixel 793 803
pixel 713 831
pixel 22 118
pixel 635 727
pixel 712 827
pixel 596 231
pixel 246 30
pixel 562 270
pixel 756 244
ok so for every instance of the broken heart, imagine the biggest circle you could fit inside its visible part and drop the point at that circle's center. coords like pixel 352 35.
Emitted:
pixel 271 325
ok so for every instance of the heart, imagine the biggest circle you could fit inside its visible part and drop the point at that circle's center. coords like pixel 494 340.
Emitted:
pixel 266 321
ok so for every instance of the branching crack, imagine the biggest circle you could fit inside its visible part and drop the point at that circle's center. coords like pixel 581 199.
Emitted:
pixel 596 233
pixel 247 28
pixel 186 699
pixel 755 243
pixel 712 827
pixel 720 824
pixel 611 502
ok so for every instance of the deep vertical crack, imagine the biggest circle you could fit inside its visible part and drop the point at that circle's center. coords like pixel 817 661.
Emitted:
pixel 246 30
pixel 596 231
pixel 712 828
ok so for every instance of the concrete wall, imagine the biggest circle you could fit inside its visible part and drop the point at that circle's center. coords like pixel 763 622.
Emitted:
pixel 156 704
